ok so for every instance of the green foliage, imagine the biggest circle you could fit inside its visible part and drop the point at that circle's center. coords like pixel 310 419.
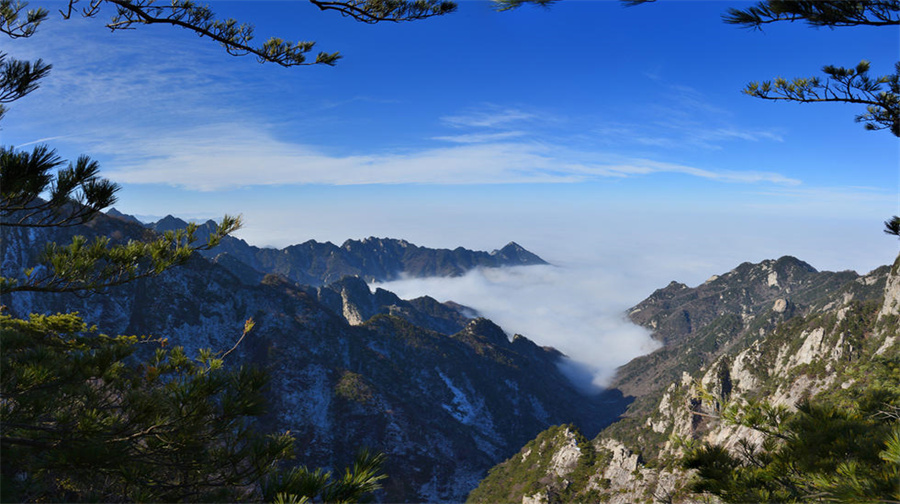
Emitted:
pixel 375 11
pixel 881 95
pixel 529 471
pixel 819 13
pixel 84 419
pixel 353 387
pixel 589 464
pixel 18 78
pixel 824 451
pixel 892 226
pixel 34 194
pixel 82 422
pixel 300 485
pixel 235 37
pixel 843 85
pixel 98 264
pixel 74 194
pixel 521 474
pixel 505 5
pixel 15 25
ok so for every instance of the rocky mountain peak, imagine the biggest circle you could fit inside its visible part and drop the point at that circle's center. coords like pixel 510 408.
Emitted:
pixel 509 247
pixel 113 212
pixel 696 324
pixel 515 254
pixel 168 223
pixel 785 273
pixel 489 331
pixel 371 259
pixel 786 262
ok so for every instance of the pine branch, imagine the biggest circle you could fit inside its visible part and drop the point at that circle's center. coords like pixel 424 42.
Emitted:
pixel 83 267
pixel 817 13
pixel 12 25
pixel 376 11
pixel 881 95
pixel 233 36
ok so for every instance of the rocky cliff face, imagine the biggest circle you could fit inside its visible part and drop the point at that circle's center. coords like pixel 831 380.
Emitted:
pixel 698 324
pixel 776 332
pixel 351 298
pixel 445 396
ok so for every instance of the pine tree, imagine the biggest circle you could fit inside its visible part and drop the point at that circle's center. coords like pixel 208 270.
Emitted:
pixel 825 451
pixel 82 423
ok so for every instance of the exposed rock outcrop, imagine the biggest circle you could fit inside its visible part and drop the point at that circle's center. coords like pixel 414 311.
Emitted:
pixel 797 334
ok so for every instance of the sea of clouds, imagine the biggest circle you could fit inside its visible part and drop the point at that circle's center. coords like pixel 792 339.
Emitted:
pixel 577 310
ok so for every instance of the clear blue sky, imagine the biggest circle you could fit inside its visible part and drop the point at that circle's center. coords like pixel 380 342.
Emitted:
pixel 588 132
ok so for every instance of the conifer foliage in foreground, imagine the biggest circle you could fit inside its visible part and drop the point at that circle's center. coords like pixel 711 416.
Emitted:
pixel 92 417
pixel 82 423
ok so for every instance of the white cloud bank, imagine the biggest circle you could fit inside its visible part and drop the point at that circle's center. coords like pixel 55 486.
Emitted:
pixel 578 311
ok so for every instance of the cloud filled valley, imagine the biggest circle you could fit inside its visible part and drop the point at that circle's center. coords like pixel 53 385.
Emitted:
pixel 577 310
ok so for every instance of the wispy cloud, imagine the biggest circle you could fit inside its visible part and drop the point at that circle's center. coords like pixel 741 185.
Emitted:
pixel 489 117
pixel 103 72
pixel 481 137
pixel 171 120
pixel 229 155
pixel 647 167
pixel 682 118
pixel 43 140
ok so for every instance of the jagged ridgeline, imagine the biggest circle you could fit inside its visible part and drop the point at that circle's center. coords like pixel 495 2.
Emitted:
pixel 444 394
pixel 372 259
pixel 765 350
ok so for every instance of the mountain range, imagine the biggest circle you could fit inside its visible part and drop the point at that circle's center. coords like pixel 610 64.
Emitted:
pixel 372 259
pixel 444 393
pixel 460 407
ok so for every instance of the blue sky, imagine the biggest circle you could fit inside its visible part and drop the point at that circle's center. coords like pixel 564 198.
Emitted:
pixel 588 132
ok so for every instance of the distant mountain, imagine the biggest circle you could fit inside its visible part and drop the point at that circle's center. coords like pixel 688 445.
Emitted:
pixel 372 259
pixel 777 331
pixel 444 395
pixel 112 212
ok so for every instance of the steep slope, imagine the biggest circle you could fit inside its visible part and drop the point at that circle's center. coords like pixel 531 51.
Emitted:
pixel 696 325
pixel 445 400
pixel 373 259
pixel 818 341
